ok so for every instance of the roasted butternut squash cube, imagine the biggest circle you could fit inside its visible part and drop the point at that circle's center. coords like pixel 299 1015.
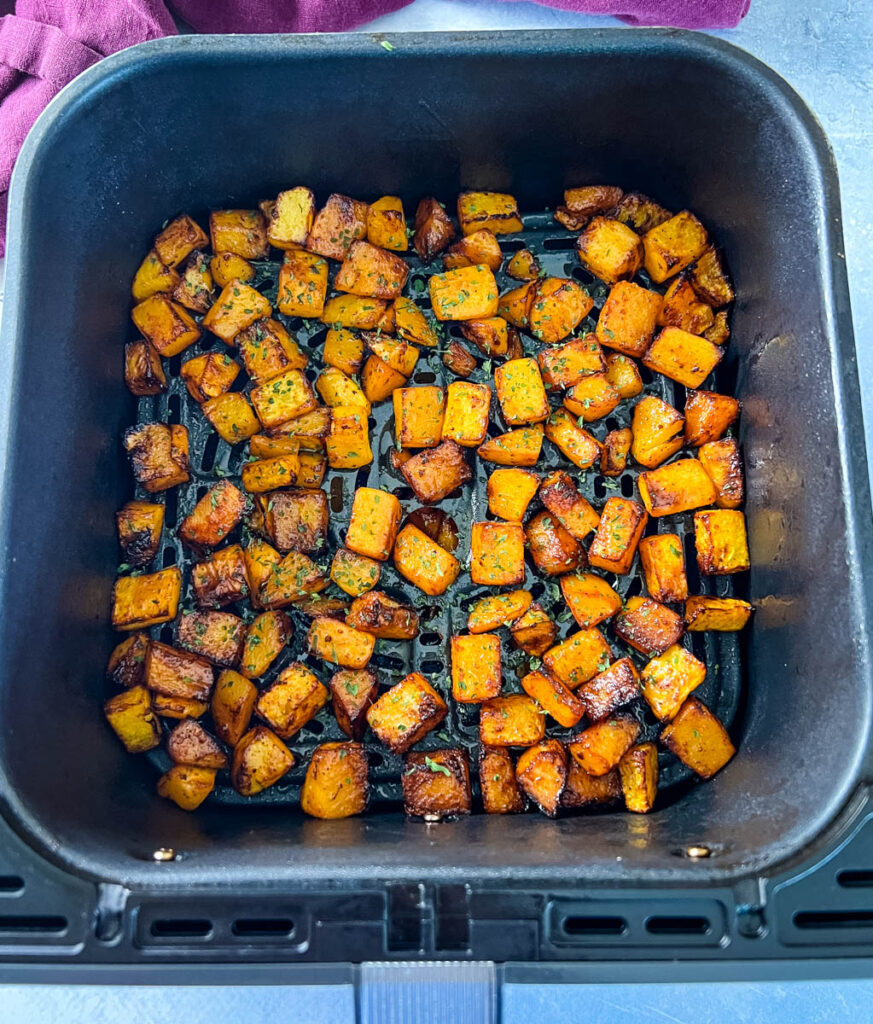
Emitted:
pixel 459 359
pixel 500 792
pixel 386 224
pixel 243 232
pixel 592 398
pixel 406 713
pixel 682 357
pixel 708 415
pixel 722 614
pixel 578 658
pixel 187 786
pixel 236 308
pixel 179 238
pixel 480 248
pixel 668 679
pixel 515 448
pixel 374 522
pixel 554 550
pixel 722 462
pixel 217 513
pixel 233 701
pixel 372 272
pixel 153 277
pixel 535 631
pixel 177 707
pixel 676 487
pixel 683 309
pixel 542 774
pixel 232 417
pixel 510 491
pixel 260 759
pixel 554 698
pixel 126 666
pixel 296 520
pixel 270 474
pixel 511 721
pixel 302 284
pixel 220 579
pixel 216 636
pixel 628 318
pixel 336 783
pixel 354 573
pixel 623 374
pixel 418 416
pixel 720 537
pixel 131 717
pixel 568 364
pixel 557 305
pixel 673 245
pixel 559 494
pixel 500 610
pixel 523 266
pixel 227 266
pixel 588 200
pixel 583 790
pixel 599 748
pixel 259 557
pixel 353 691
pixel 710 280
pixel 383 617
pixel 356 313
pixel 719 333
pixel 291 217
pixel 348 443
pixel 158 455
pixel 648 626
pixel 143 373
pixel 610 689
pixel 190 744
pixel 195 286
pixel 698 739
pixel 663 562
pixel 339 643
pixel 497 553
pixel 467 410
pixel 423 562
pixel 140 524
pixel 336 388
pixel 621 526
pixel 610 250
pixel 265 638
pixel 434 473
pixel 412 325
pixel 436 785
pixel 295 578
pixel 433 229
pixel 209 375
pixel 292 700
pixel 520 392
pixel 640 212
pixel 476 668
pixel 590 598
pixel 468 293
pixel 175 673
pixel 339 223
pixel 658 431
pixel 615 452
pixel 343 349
pixel 379 381
pixel 142 601
pixel 572 440
pixel 514 305
pixel 283 398
pixel 168 326
pixel 639 777
pixel 496 211
pixel 400 355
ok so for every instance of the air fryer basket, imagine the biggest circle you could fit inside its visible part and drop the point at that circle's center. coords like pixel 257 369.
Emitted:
pixel 199 122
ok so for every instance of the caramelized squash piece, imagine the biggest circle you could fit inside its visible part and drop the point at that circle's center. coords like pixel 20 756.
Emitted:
pixel 663 562
pixel 290 218
pixel 542 773
pixel 615 452
pixel 467 410
pixel 496 211
pixel 406 713
pixel 158 454
pixel 374 523
pixel 599 748
pixel 628 318
pixel 142 601
pixel 500 792
pixel 190 744
pixel 354 573
pixel 216 636
pixel 621 526
pixel 657 431
pixel 292 700
pixel 578 658
pixel 336 783
pixel 126 666
pixel 232 417
pixel 217 513
pixel 152 278
pixel 187 786
pixel 468 293
pixel 562 366
pixel 720 538
pixel 337 224
pixel 559 494
pixel 302 284
pixel 639 777
pixel 386 224
pixel 516 448
pixel 573 441
pixel 610 689
pixel 480 248
pixel 610 250
pixel 437 785
pixel 490 613
pixel 476 668
pixel 648 626
pixel 131 716
pixel 557 305
pixel 233 701
pixel 265 639
pixel 143 373
pixel 209 375
pixel 676 487
pixel 590 598
pixel 179 238
pixel 435 473
pixel 383 617
pixel 511 721
pixel 220 579
pixel 723 614
pixel 433 229
pixel 724 466
pixel 553 549
pixel 418 416
pixel 669 678
pixel 370 271
pixel 140 525
pixel 352 692
pixel 698 739
pixel 168 326
pixel 423 562
pixel 521 392
pixel 554 698
pixel 510 491
pixel 260 759
pixel 535 631
pixel 672 245
pixel 682 357
pixel 497 553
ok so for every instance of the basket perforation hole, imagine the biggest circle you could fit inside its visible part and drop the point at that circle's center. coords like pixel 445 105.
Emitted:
pixel 390 662
pixel 511 245
pixel 627 486
pixel 171 508
pixel 210 448
pixel 181 928
pixel 424 377
pixel 594 924
pixel 166 634
pixel 46 924
pixel 565 244
pixel 168 558
pixel 11 885
pixel 174 409
pixel 263 927
pixel 174 366
pixel 336 495
pixel 847 879
pixel 430 666
pixel 403 493
pixel 430 639
pixel 537 590
pixel 811 919
pixel 666 924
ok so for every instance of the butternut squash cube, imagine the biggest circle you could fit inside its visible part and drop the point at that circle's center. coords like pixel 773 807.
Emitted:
pixel 615 452
pixel 232 416
pixel 514 305
pixel 599 748
pixel 459 359
pixel 515 448
pixel 140 524
pixel 260 759
pixel 177 707
pixel 216 636
pixel 357 313
pixel 610 250
pixel 353 691
pixel 406 713
pixel 468 293
pixel 343 349
pixel 500 792
pixel 437 785
pixel 722 614
pixel 500 610
pixel 126 666
pixel 480 248
pixel 187 786
pixel 610 689
pixel 698 739
pixel 559 494
pixel 285 397
pixel 243 232
pixel 722 462
pixel 370 271
pixel 220 579
pixel 668 679
pixel 673 245
pixel 394 352
pixel 682 357
pixel 708 415
pixel 195 286
pixel 648 626
pixel 336 388
pixel 236 308
pixel 337 224
pixel 572 440
pixel 339 643
pixel 592 398
pixel 554 550
pixel 510 491
pixel 131 717
pixel 435 473
pixel 663 562
pixel 554 698
pixel 683 309
pixel 535 631
pixel 520 392
pixel 709 278
pixel 302 284
pixel 496 211
pixel 227 266
pixel 295 578
pixel 291 216
pixel 623 374
pixel 142 601
pixel 542 774
pixel 353 573
pixel 658 431
pixel 190 744
pixel 179 238
pixel 348 443
pixel 467 410
pixel 433 229
pixel 175 673
pixel 153 277
pixel 676 487
pixel 565 365
pixel 374 522
pixel 218 512
pixel 583 790
pixel 588 200
pixel 621 526
pixel 639 777
pixel 640 212
pixel 233 701
pixel 386 224
pixel 523 266
pixel 168 326
pixel 628 318
pixel 209 375
pixel 511 721
pixel 497 553
pixel 292 700
pixel 722 547
pixel 476 668
pixel 259 558
pixel 578 658
pixel 412 325
pixel 264 640
pixel 336 783
pixel 590 598
pixel 296 520
pixel 143 373
pixel 557 305
pixel 418 416
pixel 270 474
pixel 423 562
pixel 379 381
pixel 383 617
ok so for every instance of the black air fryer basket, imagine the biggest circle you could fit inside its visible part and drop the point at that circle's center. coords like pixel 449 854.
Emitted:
pixel 770 861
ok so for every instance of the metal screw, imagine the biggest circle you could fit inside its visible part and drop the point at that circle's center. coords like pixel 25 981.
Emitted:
pixel 164 853
pixel 697 852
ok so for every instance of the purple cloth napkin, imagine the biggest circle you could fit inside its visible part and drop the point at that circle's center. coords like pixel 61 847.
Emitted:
pixel 45 44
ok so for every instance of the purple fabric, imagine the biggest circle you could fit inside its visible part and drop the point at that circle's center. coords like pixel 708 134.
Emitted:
pixel 46 43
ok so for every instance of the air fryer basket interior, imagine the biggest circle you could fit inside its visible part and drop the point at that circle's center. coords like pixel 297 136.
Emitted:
pixel 190 123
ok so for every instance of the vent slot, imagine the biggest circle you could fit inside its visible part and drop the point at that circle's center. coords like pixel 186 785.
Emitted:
pixel 809 919
pixel 560 244
pixel 46 924
pixel 669 925
pixel 11 885
pixel 594 925
pixel 263 927
pixel 181 928
pixel 855 879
